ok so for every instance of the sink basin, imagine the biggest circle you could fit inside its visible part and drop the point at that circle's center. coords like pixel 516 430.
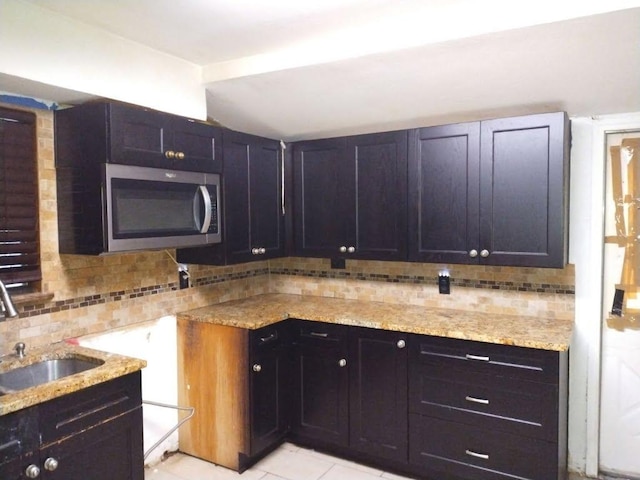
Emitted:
pixel 43 372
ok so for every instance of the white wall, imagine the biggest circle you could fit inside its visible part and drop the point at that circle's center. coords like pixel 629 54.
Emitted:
pixel 42 46
pixel 586 252
pixel 156 343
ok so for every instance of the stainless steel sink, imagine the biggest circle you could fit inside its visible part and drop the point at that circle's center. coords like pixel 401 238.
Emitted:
pixel 43 372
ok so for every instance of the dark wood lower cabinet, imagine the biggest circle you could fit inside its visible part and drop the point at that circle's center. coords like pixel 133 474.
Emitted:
pixel 471 453
pixel 95 433
pixel 428 407
pixel 320 383
pixel 378 393
pixel 110 451
pixel 269 387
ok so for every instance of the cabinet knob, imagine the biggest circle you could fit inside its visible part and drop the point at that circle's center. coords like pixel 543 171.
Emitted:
pixel 50 464
pixel 484 253
pixel 342 362
pixel 473 253
pixel 180 155
pixel 32 471
pixel 401 344
pixel 257 367
pixel 170 154
pixel 255 251
pixel 343 249
pixel 262 250
pixel 351 249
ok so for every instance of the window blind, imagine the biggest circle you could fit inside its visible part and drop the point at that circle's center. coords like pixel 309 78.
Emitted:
pixel 19 238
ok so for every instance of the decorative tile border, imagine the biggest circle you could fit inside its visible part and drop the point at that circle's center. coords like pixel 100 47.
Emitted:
pixel 424 280
pixel 89 300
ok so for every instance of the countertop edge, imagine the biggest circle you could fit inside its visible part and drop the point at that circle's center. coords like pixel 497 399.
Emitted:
pixel 114 366
pixel 259 311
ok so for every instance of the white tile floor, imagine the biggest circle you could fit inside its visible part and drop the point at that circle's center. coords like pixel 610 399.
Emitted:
pixel 288 462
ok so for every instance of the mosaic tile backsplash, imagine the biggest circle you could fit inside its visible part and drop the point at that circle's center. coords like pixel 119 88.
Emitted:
pixel 94 294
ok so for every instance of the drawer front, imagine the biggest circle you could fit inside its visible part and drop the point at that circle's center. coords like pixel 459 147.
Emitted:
pixel 18 433
pixel 474 453
pixel 488 401
pixel 78 411
pixel 519 362
pixel 268 337
pixel 318 334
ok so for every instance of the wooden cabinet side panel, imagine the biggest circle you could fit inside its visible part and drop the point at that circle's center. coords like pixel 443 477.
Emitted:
pixel 212 378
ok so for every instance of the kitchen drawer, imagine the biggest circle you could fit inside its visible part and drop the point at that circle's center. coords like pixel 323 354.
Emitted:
pixel 504 360
pixel 487 401
pixel 91 406
pixel 269 337
pixel 473 453
pixel 323 335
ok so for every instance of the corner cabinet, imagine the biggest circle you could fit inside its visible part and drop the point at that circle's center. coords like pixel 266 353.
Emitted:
pixel 238 382
pixel 94 433
pixel 350 197
pixel 253 204
pixel 492 192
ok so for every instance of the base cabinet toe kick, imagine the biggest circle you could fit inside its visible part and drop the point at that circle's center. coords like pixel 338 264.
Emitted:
pixel 428 407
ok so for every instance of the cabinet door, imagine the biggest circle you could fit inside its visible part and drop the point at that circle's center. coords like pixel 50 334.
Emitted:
pixel 444 193
pixel 377 220
pixel 269 386
pixel 197 146
pixel 522 194
pixel 108 451
pixel 378 393
pixel 253 203
pixel 321 382
pixel 321 203
pixel 139 136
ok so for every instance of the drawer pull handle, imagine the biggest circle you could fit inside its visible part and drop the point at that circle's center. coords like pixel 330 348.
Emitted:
pixel 318 334
pixel 483 401
pixel 476 357
pixel 273 336
pixel 471 453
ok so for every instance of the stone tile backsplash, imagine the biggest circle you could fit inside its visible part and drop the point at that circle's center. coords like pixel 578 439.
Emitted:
pixel 94 294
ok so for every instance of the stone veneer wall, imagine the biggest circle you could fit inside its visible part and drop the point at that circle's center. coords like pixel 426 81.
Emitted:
pixel 95 294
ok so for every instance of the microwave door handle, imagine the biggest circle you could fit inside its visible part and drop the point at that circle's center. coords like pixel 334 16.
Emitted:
pixel 206 222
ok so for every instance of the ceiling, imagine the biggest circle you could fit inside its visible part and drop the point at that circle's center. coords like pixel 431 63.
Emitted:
pixel 296 69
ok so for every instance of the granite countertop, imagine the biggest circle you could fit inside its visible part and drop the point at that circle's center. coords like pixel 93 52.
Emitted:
pixel 262 310
pixel 114 366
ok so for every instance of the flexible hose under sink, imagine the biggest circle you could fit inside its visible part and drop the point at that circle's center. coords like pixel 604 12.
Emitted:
pixel 191 411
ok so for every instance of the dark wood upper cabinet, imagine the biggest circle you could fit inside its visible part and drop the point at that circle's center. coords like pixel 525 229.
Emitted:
pixel 254 227
pixel 321 203
pixel 350 197
pixel 252 202
pixel 444 192
pixel 113 132
pixel 492 192
pixel 524 190
pixel 140 136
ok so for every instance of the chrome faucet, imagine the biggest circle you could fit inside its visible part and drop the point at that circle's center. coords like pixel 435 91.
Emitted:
pixel 6 303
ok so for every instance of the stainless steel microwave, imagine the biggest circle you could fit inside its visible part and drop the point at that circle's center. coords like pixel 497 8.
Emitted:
pixel 153 208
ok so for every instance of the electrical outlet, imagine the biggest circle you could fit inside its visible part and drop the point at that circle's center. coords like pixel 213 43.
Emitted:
pixel 444 282
pixel 183 276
